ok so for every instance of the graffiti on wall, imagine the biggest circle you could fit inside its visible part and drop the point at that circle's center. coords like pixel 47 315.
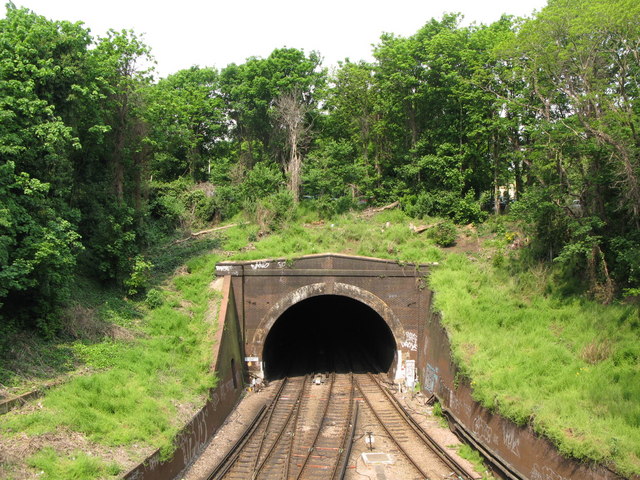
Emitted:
pixel 430 378
pixel 483 431
pixel 410 341
pixel 545 473
pixel 259 265
pixel 511 438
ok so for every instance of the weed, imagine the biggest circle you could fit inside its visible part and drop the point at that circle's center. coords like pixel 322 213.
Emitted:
pixel 77 466
pixel 133 398
pixel 472 455
pixel 545 358
pixel 440 416
pixel 155 298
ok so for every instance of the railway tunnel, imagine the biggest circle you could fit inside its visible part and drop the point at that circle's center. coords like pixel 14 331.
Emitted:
pixel 329 312
pixel 341 312
pixel 328 333
pixel 333 311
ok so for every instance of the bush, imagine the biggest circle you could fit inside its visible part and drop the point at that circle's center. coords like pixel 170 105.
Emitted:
pixel 140 275
pixel 262 180
pixel 444 234
pixel 272 212
pixel 330 207
pixel 442 203
pixel 155 298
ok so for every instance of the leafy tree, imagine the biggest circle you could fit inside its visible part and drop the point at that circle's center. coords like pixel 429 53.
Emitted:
pixel 38 250
pixel 580 61
pixel 40 63
pixel 187 123
pixel 251 92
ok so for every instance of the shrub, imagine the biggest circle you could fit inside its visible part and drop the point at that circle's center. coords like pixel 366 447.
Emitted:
pixel 155 298
pixel 444 234
pixel 442 203
pixel 140 275
pixel 272 212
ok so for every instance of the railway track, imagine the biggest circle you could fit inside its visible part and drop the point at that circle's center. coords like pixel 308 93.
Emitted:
pixel 307 431
pixel 427 458
pixel 303 434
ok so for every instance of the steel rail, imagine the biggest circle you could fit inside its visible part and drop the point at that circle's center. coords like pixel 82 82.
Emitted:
pixel 318 430
pixel 433 445
pixel 258 468
pixel 352 419
pixel 225 464
pixel 287 460
pixel 232 456
pixel 389 433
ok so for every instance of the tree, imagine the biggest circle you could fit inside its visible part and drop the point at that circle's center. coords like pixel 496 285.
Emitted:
pixel 290 112
pixel 187 120
pixel 41 72
pixel 580 60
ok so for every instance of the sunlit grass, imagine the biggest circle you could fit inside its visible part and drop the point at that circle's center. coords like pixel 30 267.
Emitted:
pixel 135 395
pixel 569 367
pixel 78 466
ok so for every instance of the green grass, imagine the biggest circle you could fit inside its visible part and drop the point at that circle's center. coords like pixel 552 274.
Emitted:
pixel 78 466
pixel 138 385
pixel 567 366
pixel 387 235
pixel 473 456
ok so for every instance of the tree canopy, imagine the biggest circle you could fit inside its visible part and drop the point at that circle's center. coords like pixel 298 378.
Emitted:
pixel 99 160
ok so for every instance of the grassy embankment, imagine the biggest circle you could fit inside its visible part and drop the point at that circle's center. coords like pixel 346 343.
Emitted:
pixel 566 365
pixel 139 369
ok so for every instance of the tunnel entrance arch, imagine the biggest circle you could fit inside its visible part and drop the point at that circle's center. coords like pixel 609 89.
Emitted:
pixel 328 333
pixel 396 292
pixel 338 289
pixel 335 289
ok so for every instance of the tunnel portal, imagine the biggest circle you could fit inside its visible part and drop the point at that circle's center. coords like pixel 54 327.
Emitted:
pixel 328 333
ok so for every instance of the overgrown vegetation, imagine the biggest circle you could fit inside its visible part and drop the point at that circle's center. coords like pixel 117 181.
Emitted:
pixel 563 364
pixel 141 365
pixel 533 352
pixel 78 466
pixel 100 161
pixel 103 167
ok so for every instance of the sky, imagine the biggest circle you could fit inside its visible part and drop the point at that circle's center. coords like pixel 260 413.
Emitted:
pixel 182 33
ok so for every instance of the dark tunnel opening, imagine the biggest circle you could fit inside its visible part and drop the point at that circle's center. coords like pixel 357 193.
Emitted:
pixel 328 333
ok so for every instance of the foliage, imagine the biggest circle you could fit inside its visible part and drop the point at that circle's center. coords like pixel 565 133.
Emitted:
pixel 461 210
pixel 540 357
pixel 444 234
pixel 273 212
pixel 140 275
pixel 131 399
pixel 37 250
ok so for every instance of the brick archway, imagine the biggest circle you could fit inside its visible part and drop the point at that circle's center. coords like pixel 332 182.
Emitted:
pixel 325 288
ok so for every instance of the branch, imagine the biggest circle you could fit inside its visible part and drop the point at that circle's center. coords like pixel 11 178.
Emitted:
pixel 204 232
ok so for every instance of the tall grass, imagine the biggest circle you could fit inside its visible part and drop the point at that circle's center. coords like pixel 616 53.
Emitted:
pixel 567 366
pixel 79 466
pixel 387 235
pixel 143 385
